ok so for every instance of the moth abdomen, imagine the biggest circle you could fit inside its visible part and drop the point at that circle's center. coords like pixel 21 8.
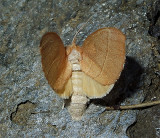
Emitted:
pixel 78 99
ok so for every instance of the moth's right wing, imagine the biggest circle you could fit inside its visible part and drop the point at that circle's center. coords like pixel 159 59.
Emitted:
pixel 103 58
pixel 94 89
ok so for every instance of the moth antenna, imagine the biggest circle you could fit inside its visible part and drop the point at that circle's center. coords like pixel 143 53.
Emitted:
pixel 74 38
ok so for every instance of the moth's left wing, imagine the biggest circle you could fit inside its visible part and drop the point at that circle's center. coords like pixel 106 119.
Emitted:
pixel 55 64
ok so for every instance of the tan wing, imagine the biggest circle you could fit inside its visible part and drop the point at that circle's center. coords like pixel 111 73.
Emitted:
pixel 67 90
pixel 55 64
pixel 94 89
pixel 103 55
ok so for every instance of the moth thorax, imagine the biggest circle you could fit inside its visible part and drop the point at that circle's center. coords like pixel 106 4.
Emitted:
pixel 74 56
pixel 76 67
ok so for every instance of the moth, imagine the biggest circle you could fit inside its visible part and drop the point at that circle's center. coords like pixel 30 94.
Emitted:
pixel 86 72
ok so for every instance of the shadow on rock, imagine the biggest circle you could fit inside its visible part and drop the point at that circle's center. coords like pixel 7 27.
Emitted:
pixel 127 83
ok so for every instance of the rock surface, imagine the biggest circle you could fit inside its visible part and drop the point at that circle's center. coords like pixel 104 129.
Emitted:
pixel 30 108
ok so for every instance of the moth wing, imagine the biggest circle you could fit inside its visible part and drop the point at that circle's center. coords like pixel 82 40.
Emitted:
pixel 103 55
pixel 67 90
pixel 94 89
pixel 55 64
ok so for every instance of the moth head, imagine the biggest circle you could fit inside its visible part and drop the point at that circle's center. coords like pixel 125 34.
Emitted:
pixel 74 56
pixel 74 53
